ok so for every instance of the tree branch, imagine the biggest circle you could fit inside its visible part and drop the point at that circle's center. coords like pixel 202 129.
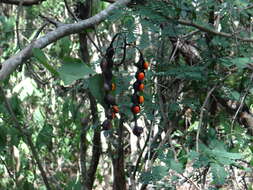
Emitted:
pixel 25 3
pixel 208 30
pixel 10 64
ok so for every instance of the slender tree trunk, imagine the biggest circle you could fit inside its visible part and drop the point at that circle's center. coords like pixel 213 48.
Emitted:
pixel 89 175
pixel 119 181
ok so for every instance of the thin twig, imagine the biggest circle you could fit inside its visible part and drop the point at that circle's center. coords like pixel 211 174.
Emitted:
pixel 70 12
pixel 52 21
pixel 174 51
pixel 96 34
pixel 192 182
pixel 202 115
pixel 17 23
pixel 99 50
pixel 140 155
pixel 9 172
pixel 242 101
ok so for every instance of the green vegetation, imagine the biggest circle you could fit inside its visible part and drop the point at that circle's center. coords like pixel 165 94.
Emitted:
pixel 189 126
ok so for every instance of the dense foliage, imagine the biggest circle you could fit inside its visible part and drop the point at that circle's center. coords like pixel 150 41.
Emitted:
pixel 196 116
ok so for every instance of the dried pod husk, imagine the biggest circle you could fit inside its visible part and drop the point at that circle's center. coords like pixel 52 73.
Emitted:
pixel 115 108
pixel 109 114
pixel 107 124
pixel 137 131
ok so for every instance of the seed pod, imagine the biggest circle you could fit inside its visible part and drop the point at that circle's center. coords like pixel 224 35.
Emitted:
pixel 137 131
pixel 140 75
pixel 136 85
pixel 107 124
pixel 113 86
pixel 136 109
pixel 141 87
pixel 141 99
pixel 145 65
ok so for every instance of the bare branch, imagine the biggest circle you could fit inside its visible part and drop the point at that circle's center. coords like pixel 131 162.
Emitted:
pixel 70 12
pixel 10 64
pixel 208 30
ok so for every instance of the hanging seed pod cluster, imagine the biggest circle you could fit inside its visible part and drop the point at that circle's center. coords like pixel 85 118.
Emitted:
pixel 111 108
pixel 137 97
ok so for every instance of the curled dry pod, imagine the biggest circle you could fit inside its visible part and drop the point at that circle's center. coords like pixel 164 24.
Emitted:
pixel 137 131
pixel 107 124
pixel 110 100
pixel 136 109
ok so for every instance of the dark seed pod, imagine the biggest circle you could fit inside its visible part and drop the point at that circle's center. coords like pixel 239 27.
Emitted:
pixel 110 63
pixel 107 125
pixel 110 100
pixel 136 85
pixel 108 74
pixel 137 131
pixel 140 63
pixel 135 99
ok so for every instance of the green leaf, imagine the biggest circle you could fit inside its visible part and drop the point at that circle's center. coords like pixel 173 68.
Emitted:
pixel 3 137
pixel 95 85
pixel 183 72
pixel 73 69
pixel 41 58
pixel 45 137
pixel 156 174
pixel 240 62
pixel 177 166
pixel 219 174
